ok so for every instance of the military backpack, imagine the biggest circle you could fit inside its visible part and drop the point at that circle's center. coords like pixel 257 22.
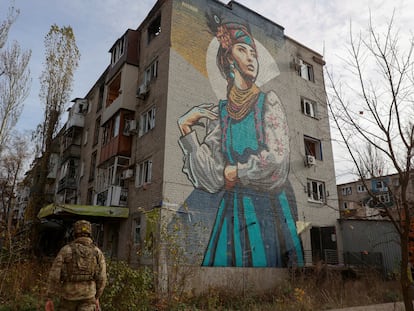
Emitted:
pixel 83 265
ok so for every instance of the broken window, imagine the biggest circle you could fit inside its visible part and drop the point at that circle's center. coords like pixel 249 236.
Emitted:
pixel 154 29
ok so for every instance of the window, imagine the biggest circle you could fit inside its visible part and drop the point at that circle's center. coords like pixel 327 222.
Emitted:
pixel 105 136
pixel 137 231
pixel 316 191
pixel 89 197
pixel 143 174
pixel 313 147
pixel 345 205
pixel 64 170
pixel 154 29
pixel 101 97
pixel 147 121
pixel 116 126
pixel 83 106
pixel 130 124
pixel 308 107
pixel 92 167
pixel 361 188
pixel 305 71
pixel 151 72
pixel 96 131
pixel 114 89
pixel 117 50
pixel 384 198
pixel 347 190
pixel 380 185
pixel 72 168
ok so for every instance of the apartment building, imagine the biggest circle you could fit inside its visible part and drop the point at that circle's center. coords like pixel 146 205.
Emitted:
pixel 209 121
pixel 356 202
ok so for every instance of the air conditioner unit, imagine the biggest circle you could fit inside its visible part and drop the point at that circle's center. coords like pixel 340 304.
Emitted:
pixel 127 174
pixel 142 91
pixel 310 160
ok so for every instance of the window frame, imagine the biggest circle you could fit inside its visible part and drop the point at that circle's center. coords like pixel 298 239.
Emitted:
pixel 313 108
pixel 383 186
pixel 361 188
pixel 147 121
pixel 151 72
pixel 346 190
pixel 306 71
pixel 118 50
pixel 320 191
pixel 316 151
pixel 154 29
pixel 116 125
pixel 137 231
pixel 92 165
pixel 143 174
pixel 96 131
pixel 384 198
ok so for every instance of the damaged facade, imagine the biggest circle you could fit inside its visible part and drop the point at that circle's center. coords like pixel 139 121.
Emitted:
pixel 210 127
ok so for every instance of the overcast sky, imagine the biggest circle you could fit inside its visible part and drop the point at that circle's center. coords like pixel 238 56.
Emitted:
pixel 321 25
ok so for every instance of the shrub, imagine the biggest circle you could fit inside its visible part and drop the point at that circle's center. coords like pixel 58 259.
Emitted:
pixel 127 288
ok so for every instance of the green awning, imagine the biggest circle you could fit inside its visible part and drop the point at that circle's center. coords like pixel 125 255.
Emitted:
pixel 84 210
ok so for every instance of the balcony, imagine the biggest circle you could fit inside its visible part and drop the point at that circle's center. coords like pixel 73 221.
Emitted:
pixel 73 151
pixel 67 183
pixel 75 120
pixel 121 92
pixel 113 196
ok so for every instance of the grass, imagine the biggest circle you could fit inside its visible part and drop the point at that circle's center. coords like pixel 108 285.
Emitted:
pixel 23 286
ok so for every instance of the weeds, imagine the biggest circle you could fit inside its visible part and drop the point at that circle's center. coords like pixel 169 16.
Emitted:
pixel 23 287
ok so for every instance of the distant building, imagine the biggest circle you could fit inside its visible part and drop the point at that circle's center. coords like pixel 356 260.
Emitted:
pixel 355 201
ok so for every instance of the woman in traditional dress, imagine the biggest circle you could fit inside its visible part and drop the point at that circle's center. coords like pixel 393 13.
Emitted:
pixel 244 155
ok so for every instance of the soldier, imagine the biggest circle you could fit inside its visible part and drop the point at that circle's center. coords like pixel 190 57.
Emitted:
pixel 78 273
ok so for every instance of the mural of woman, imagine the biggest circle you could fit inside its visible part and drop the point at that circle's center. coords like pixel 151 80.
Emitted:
pixel 244 156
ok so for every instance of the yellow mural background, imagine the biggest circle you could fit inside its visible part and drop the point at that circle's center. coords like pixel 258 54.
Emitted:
pixel 190 36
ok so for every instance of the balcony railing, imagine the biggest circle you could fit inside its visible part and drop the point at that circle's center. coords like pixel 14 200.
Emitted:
pixel 76 119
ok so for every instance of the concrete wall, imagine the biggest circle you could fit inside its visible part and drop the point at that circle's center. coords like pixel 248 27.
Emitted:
pixel 235 280
pixel 365 237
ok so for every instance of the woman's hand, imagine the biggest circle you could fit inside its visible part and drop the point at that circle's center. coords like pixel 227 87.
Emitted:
pixel 193 116
pixel 230 176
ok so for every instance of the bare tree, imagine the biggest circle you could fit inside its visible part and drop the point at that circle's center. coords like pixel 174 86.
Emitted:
pixel 14 80
pixel 14 87
pixel 61 60
pixel 6 24
pixel 12 166
pixel 371 163
pixel 375 108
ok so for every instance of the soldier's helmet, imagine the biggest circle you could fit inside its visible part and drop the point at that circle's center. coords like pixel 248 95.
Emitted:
pixel 82 227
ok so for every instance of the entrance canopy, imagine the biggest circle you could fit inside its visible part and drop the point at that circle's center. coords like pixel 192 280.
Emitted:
pixel 83 210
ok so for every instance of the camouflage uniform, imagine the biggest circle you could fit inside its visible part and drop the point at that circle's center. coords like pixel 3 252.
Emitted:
pixel 77 293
